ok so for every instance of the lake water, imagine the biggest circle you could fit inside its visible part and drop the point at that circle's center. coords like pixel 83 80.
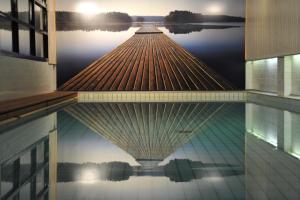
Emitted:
pixel 159 151
pixel 220 46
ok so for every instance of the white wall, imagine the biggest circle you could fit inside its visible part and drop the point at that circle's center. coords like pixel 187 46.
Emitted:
pixel 21 77
pixel 295 65
pixel 262 75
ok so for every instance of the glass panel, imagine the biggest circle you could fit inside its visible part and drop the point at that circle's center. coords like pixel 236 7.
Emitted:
pixel 24 40
pixel 25 192
pixel 5 6
pixel 40 153
pixel 25 162
pixel 23 9
pixel 45 23
pixel 38 17
pixel 5 35
pixel 6 178
pixel 39 45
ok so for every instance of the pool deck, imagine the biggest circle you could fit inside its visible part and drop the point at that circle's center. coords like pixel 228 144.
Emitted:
pixel 166 96
pixel 16 109
pixel 148 61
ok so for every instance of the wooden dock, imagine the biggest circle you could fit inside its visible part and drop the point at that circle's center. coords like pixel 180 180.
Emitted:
pixel 148 61
pixel 148 30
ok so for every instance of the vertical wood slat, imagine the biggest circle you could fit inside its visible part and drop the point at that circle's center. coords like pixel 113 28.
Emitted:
pixel 272 28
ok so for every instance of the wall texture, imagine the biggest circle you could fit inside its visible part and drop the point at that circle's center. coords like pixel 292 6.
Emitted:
pixel 295 63
pixel 21 77
pixel 262 75
pixel 272 28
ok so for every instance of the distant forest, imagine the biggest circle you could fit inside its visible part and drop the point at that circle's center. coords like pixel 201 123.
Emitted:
pixel 74 18
pixel 103 18
pixel 189 17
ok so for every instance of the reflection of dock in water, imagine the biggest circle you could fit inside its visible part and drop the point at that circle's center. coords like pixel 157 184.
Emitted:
pixel 148 61
pixel 149 132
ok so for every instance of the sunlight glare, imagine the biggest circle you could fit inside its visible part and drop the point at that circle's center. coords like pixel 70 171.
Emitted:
pixel 89 176
pixel 88 8
pixel 215 9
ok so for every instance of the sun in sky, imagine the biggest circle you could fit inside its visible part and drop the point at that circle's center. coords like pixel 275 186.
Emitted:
pixel 215 9
pixel 88 8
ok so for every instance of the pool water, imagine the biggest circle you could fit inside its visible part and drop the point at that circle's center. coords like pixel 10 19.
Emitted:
pixel 154 151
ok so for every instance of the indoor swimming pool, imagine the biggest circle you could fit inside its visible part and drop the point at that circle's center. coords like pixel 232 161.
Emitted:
pixel 153 151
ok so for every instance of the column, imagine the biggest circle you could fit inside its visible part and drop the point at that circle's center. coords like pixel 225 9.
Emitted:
pixel 287 131
pixel 280 76
pixel 51 5
pixel 249 75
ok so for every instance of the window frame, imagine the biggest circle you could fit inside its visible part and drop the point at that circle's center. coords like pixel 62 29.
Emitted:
pixel 13 18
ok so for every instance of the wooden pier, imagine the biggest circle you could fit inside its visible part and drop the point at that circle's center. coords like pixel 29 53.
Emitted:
pixel 148 61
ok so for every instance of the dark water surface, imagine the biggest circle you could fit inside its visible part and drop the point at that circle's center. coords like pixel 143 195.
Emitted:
pixel 220 46
pixel 154 151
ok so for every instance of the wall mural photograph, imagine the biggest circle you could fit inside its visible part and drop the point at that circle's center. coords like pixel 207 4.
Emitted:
pixel 212 31
pixel 149 100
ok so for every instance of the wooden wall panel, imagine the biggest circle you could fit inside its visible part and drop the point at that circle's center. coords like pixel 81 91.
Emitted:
pixel 272 28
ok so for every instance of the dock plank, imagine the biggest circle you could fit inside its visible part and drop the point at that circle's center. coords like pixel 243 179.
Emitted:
pixel 148 61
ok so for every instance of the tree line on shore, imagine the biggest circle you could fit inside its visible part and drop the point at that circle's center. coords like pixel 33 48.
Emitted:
pixel 176 16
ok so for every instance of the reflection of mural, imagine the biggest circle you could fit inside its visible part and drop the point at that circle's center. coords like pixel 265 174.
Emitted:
pixel 178 170
pixel 149 132
pixel 189 28
pixel 172 28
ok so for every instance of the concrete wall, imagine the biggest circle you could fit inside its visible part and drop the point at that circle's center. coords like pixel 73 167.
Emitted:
pixel 262 75
pixel 280 76
pixel 24 77
pixel 295 75
pixel 272 28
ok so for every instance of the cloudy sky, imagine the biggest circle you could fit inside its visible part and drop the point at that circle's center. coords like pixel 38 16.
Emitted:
pixel 154 7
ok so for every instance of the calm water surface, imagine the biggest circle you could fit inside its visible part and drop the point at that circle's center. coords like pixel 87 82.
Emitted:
pixel 221 46
pixel 154 151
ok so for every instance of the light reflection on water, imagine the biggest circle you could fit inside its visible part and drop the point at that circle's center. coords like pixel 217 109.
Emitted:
pixel 142 152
